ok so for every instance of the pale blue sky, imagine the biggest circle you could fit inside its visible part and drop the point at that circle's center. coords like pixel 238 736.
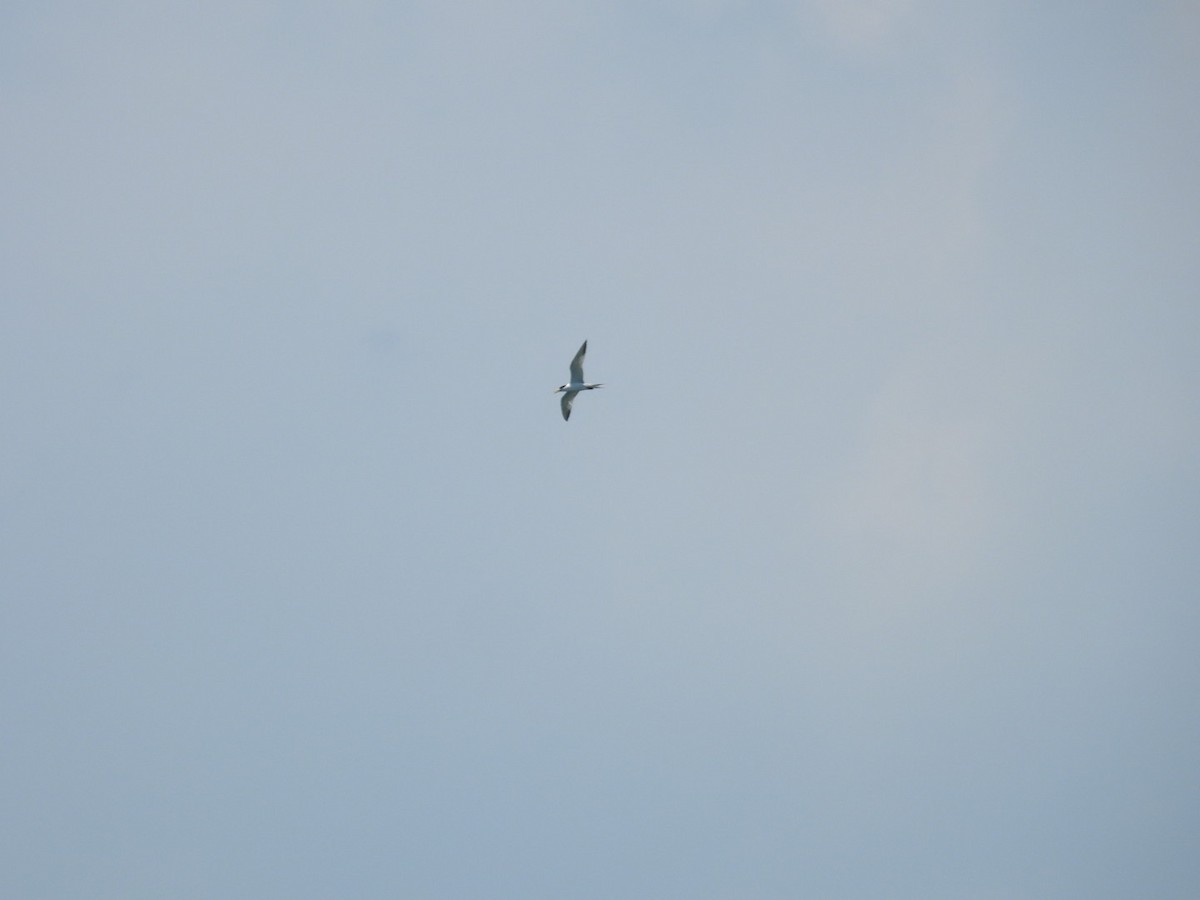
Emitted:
pixel 872 573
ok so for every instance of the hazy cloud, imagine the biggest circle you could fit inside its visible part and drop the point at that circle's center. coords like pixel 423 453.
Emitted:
pixel 871 572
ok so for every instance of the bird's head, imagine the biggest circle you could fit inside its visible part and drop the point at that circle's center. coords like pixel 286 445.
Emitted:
pixel 560 389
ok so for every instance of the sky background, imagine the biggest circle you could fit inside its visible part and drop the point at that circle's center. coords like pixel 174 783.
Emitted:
pixel 873 573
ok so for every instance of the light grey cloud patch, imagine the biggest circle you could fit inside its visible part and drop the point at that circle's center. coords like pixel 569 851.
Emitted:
pixel 862 25
pixel 918 498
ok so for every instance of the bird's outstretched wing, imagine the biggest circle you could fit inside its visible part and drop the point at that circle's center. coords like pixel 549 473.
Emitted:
pixel 568 398
pixel 577 365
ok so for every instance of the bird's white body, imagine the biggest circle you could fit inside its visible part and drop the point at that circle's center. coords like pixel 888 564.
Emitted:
pixel 576 384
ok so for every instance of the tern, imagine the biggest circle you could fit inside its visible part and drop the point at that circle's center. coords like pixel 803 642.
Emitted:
pixel 576 383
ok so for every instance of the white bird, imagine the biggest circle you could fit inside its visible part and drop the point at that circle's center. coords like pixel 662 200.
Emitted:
pixel 576 384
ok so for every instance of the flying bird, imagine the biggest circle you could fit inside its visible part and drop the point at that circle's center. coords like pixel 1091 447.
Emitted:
pixel 576 383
